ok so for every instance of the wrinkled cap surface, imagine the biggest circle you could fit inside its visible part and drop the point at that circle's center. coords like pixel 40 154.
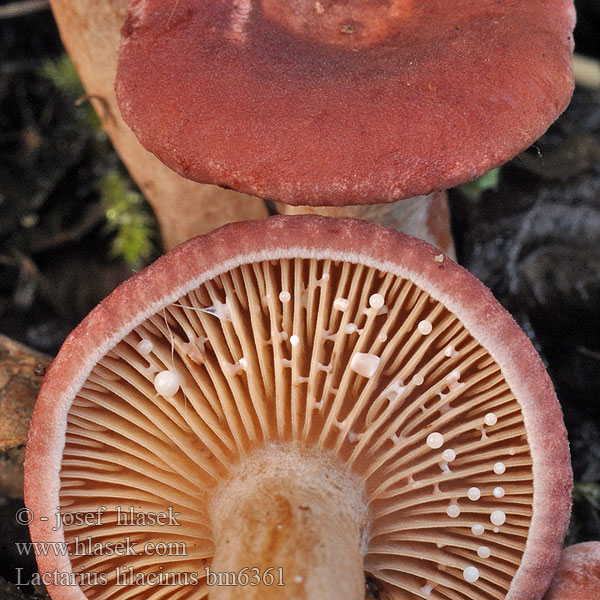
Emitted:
pixel 330 102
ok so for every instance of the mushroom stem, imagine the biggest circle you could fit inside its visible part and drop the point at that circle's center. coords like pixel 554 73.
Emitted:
pixel 425 217
pixel 183 208
pixel 292 520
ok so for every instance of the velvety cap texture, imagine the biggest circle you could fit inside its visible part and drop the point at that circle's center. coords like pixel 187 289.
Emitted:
pixel 331 103
pixel 578 573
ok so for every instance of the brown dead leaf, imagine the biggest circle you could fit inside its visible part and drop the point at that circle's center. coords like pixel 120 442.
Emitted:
pixel 21 372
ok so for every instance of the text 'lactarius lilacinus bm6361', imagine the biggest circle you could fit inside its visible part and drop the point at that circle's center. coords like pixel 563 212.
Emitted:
pixel 324 397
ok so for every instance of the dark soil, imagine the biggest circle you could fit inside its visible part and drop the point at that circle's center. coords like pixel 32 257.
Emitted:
pixel 534 240
pixel 54 249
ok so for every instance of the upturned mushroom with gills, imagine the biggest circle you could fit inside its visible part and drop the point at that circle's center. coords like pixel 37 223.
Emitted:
pixel 321 403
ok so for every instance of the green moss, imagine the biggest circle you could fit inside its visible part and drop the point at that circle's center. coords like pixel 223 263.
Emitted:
pixel 128 219
pixel 63 75
pixel 473 189
pixel 587 492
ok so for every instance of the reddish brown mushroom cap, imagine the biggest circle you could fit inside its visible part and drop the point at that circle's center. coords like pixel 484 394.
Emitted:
pixel 307 326
pixel 316 103
pixel 578 574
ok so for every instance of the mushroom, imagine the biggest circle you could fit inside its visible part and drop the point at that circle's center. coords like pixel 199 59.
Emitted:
pixel 424 217
pixel 322 403
pixel 90 31
pixel 336 102
pixel 578 574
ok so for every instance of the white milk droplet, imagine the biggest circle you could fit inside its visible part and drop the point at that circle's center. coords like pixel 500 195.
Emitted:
pixel 477 529
pixel 448 455
pixel 365 364
pixel 474 493
pixel 453 380
pixel 382 337
pixel 376 301
pixel 244 363
pixel 294 340
pixel 231 369
pixel 471 574
pixel 453 376
pixel 425 327
pixel 490 419
pixel 435 440
pixel 418 379
pixel 499 468
pixel 166 383
pixel 145 347
pixel 498 492
pixel 426 589
pixel 453 511
pixel 450 352
pixel 484 552
pixel 351 328
pixel 445 468
pixel 222 310
pixel 341 304
pixel 498 517
pixel 396 390
pixel 285 297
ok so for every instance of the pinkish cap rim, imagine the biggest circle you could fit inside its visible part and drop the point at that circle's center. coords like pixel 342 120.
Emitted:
pixel 202 258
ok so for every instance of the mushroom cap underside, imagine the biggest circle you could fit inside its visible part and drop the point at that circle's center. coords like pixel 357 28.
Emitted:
pixel 262 98
pixel 364 345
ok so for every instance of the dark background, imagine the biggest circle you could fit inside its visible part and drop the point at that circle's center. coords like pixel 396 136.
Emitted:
pixel 533 238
